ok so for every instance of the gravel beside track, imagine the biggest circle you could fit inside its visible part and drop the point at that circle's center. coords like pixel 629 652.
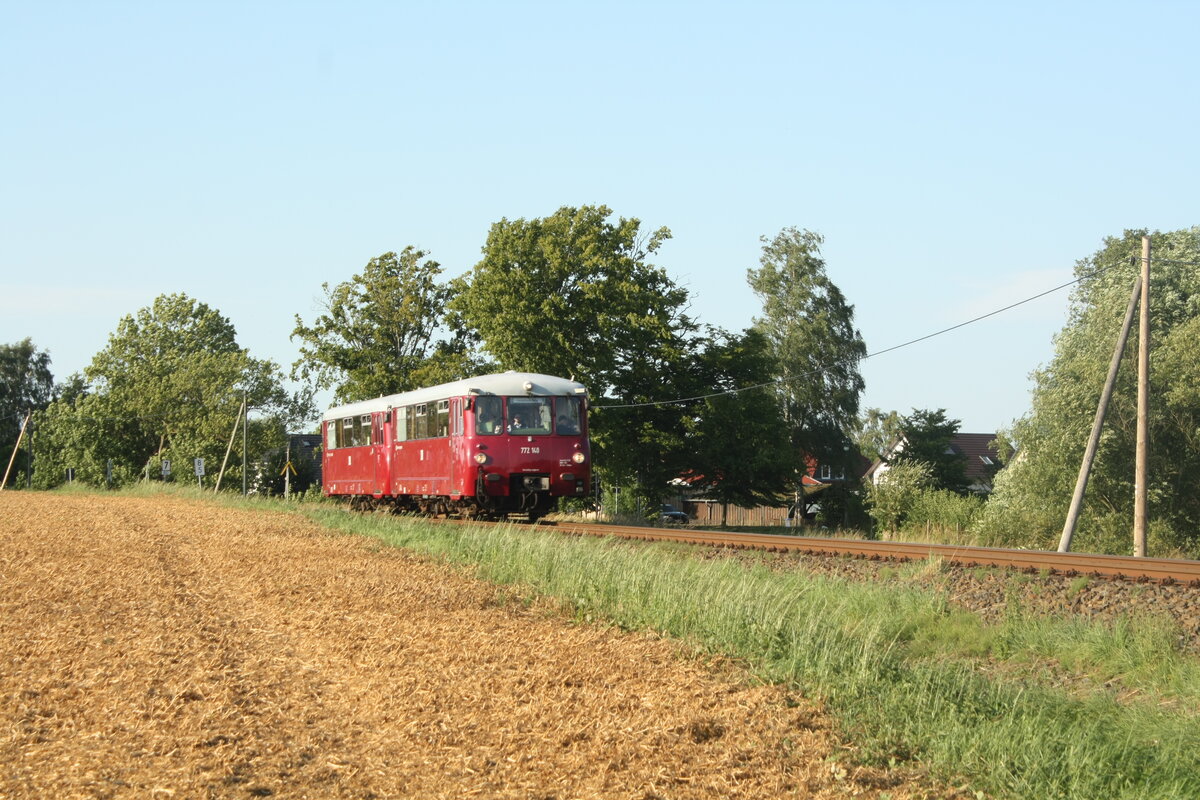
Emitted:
pixel 167 648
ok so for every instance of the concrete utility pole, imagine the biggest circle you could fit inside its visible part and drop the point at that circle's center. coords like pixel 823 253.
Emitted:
pixel 1143 407
pixel 16 447
pixel 245 413
pixel 1089 455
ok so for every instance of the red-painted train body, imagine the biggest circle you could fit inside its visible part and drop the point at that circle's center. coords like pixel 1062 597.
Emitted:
pixel 493 446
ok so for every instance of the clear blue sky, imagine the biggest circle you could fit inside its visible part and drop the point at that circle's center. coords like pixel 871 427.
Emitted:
pixel 956 157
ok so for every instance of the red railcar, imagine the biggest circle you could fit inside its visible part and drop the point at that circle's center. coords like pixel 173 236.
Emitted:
pixel 498 445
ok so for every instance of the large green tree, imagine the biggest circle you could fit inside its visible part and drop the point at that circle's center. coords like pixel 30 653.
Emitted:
pixel 1032 494
pixel 26 384
pixel 378 335
pixel 817 349
pixel 574 294
pixel 926 436
pixel 875 432
pixel 169 384
pixel 736 457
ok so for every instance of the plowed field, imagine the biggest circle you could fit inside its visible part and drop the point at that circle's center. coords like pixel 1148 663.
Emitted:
pixel 167 648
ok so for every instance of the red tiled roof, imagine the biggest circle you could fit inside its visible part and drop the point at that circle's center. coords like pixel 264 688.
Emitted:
pixel 975 447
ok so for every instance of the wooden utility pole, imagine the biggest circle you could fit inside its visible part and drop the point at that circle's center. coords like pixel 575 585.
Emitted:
pixel 1143 407
pixel 16 447
pixel 1089 455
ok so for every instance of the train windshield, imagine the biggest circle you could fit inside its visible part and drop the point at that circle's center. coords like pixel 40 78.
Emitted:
pixel 489 415
pixel 567 421
pixel 530 415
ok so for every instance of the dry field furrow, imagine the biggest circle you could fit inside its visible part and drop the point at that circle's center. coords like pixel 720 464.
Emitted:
pixel 166 648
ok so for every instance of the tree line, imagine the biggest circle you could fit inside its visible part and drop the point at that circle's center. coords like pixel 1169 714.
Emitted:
pixel 738 414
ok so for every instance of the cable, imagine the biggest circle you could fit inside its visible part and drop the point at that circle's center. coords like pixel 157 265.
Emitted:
pixel 984 316
pixel 869 355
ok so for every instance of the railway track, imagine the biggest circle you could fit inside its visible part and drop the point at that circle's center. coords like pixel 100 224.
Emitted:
pixel 1141 570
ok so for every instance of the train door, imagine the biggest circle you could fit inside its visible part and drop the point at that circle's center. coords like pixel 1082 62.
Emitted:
pixel 456 445
pixel 379 454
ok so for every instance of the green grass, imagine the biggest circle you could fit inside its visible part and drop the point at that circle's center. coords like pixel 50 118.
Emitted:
pixel 1029 708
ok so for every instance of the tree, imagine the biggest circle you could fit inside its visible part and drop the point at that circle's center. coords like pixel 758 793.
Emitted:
pixel 377 335
pixel 735 432
pixel 876 432
pixel 926 437
pixel 26 384
pixel 169 384
pixel 1032 494
pixel 573 294
pixel 817 349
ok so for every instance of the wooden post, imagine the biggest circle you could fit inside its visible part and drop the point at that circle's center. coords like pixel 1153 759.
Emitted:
pixel 16 447
pixel 1143 408
pixel 1089 455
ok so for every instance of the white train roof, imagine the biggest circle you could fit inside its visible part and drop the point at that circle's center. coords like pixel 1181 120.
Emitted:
pixel 508 384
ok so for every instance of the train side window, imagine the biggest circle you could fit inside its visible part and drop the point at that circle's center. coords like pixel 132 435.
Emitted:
pixel 456 417
pixel 364 430
pixel 331 429
pixel 401 417
pixel 443 418
pixel 422 419
pixel 346 437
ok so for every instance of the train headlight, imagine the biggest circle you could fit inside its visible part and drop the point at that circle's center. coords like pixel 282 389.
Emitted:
pixel 481 458
pixel 578 458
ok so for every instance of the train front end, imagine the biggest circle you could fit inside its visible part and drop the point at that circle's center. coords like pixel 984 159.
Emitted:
pixel 529 445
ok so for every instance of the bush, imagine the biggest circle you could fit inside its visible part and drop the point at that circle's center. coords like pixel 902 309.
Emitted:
pixel 893 497
pixel 941 510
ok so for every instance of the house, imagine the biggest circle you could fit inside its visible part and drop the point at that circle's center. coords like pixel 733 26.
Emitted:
pixel 980 456
pixel 802 506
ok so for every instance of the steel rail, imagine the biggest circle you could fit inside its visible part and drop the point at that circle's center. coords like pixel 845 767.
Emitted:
pixel 1161 570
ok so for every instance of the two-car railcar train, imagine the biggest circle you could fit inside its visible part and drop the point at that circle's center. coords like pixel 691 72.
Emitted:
pixel 493 446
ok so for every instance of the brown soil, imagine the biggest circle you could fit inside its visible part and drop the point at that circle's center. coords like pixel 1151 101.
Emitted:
pixel 166 648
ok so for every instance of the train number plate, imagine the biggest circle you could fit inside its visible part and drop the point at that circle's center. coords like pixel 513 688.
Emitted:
pixel 526 451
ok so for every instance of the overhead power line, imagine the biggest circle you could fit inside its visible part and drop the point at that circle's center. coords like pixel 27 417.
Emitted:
pixel 893 348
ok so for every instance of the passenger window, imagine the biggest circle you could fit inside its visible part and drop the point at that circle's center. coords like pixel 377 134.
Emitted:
pixel 443 418
pixel 331 434
pixel 401 417
pixel 347 433
pixel 422 426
